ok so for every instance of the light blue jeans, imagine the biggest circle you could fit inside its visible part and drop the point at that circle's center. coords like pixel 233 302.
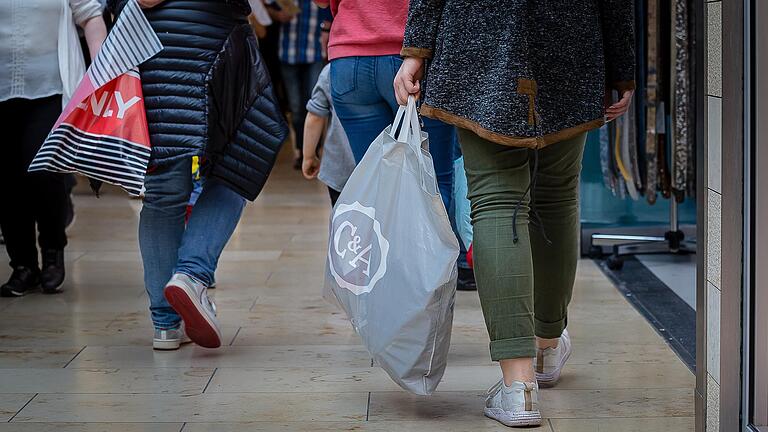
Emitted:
pixel 364 100
pixel 168 246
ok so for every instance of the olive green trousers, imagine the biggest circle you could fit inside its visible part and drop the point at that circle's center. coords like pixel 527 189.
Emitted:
pixel 525 285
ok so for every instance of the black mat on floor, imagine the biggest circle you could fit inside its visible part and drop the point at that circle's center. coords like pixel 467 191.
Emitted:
pixel 670 315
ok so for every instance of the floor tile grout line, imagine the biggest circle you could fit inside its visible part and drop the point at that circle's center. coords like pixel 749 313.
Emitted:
pixel 22 408
pixel 209 380
pixel 235 336
pixel 73 358
pixel 368 407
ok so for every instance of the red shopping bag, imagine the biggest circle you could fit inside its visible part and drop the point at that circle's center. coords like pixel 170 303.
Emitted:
pixel 102 132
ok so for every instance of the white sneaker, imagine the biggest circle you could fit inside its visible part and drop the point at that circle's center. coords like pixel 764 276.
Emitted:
pixel 514 406
pixel 549 362
pixel 189 298
pixel 169 339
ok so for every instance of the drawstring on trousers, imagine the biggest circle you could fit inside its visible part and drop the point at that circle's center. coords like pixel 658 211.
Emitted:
pixel 534 215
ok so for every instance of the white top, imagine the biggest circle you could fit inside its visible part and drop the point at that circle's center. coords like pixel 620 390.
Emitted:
pixel 29 31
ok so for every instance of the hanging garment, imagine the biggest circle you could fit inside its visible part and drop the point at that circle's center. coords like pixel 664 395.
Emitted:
pixel 634 160
pixel 651 98
pixel 621 153
pixel 682 149
pixel 605 158
pixel 662 128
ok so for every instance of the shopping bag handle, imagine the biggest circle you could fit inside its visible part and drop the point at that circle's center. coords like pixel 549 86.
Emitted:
pixel 407 118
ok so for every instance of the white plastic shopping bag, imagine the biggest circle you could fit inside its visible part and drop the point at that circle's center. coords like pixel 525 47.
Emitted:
pixel 392 256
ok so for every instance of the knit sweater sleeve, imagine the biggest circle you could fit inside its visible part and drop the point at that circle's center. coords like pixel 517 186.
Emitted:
pixel 618 22
pixel 421 28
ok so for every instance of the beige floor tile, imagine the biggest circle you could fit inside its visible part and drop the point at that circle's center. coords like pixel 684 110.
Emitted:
pixel 626 375
pixel 269 328
pixel 192 356
pixel 106 381
pixel 213 407
pixel 479 424
pixel 57 336
pixel 595 353
pixel 554 404
pixel 10 404
pixel 40 357
pixel 669 424
pixel 91 427
pixel 319 380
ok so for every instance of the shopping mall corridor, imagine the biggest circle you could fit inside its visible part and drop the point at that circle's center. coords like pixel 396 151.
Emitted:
pixel 82 360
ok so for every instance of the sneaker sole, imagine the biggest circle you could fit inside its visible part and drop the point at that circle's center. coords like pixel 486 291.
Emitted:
pixel 12 293
pixel 549 380
pixel 200 329
pixel 163 345
pixel 526 418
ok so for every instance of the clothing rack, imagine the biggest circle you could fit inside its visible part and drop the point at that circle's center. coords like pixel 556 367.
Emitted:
pixel 622 245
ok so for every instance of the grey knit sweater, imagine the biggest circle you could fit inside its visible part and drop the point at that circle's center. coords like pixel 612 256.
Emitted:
pixel 524 73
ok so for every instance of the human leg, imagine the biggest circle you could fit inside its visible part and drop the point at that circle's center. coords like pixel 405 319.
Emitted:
pixel 211 224
pixel 556 202
pixel 294 83
pixel 17 221
pixel 498 177
pixel 161 227
pixel 554 244
pixel 49 195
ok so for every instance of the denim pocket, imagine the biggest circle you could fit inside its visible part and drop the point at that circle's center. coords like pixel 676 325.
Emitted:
pixel 343 76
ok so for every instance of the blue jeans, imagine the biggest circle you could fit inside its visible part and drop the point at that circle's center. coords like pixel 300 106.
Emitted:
pixel 168 246
pixel 364 100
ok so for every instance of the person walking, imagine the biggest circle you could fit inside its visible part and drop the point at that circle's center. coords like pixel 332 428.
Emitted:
pixel 207 94
pixel 37 78
pixel 301 58
pixel 364 50
pixel 524 82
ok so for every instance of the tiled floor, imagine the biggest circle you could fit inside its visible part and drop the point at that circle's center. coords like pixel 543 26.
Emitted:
pixel 82 361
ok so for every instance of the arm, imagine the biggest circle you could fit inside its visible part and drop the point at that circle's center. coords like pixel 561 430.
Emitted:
pixel 421 28
pixel 314 126
pixel 318 112
pixel 95 32
pixel 618 19
pixel 88 15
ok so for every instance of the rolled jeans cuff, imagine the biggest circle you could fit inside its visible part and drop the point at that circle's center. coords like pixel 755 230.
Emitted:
pixel 512 348
pixel 550 330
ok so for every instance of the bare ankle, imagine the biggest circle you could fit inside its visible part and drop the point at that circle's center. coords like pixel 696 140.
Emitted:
pixel 518 369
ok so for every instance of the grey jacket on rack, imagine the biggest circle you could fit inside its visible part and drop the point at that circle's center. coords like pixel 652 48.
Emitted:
pixel 524 73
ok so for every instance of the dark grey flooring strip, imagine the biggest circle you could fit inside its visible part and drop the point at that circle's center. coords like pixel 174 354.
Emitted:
pixel 670 315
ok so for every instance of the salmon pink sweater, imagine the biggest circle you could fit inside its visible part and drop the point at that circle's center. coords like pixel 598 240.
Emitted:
pixel 367 27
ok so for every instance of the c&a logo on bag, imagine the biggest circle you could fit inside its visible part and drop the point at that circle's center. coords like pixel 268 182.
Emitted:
pixel 357 252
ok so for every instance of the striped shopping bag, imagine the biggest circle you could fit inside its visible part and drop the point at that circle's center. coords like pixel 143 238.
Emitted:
pixel 102 132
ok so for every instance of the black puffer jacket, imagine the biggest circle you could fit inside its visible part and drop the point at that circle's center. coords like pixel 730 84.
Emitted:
pixel 208 92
